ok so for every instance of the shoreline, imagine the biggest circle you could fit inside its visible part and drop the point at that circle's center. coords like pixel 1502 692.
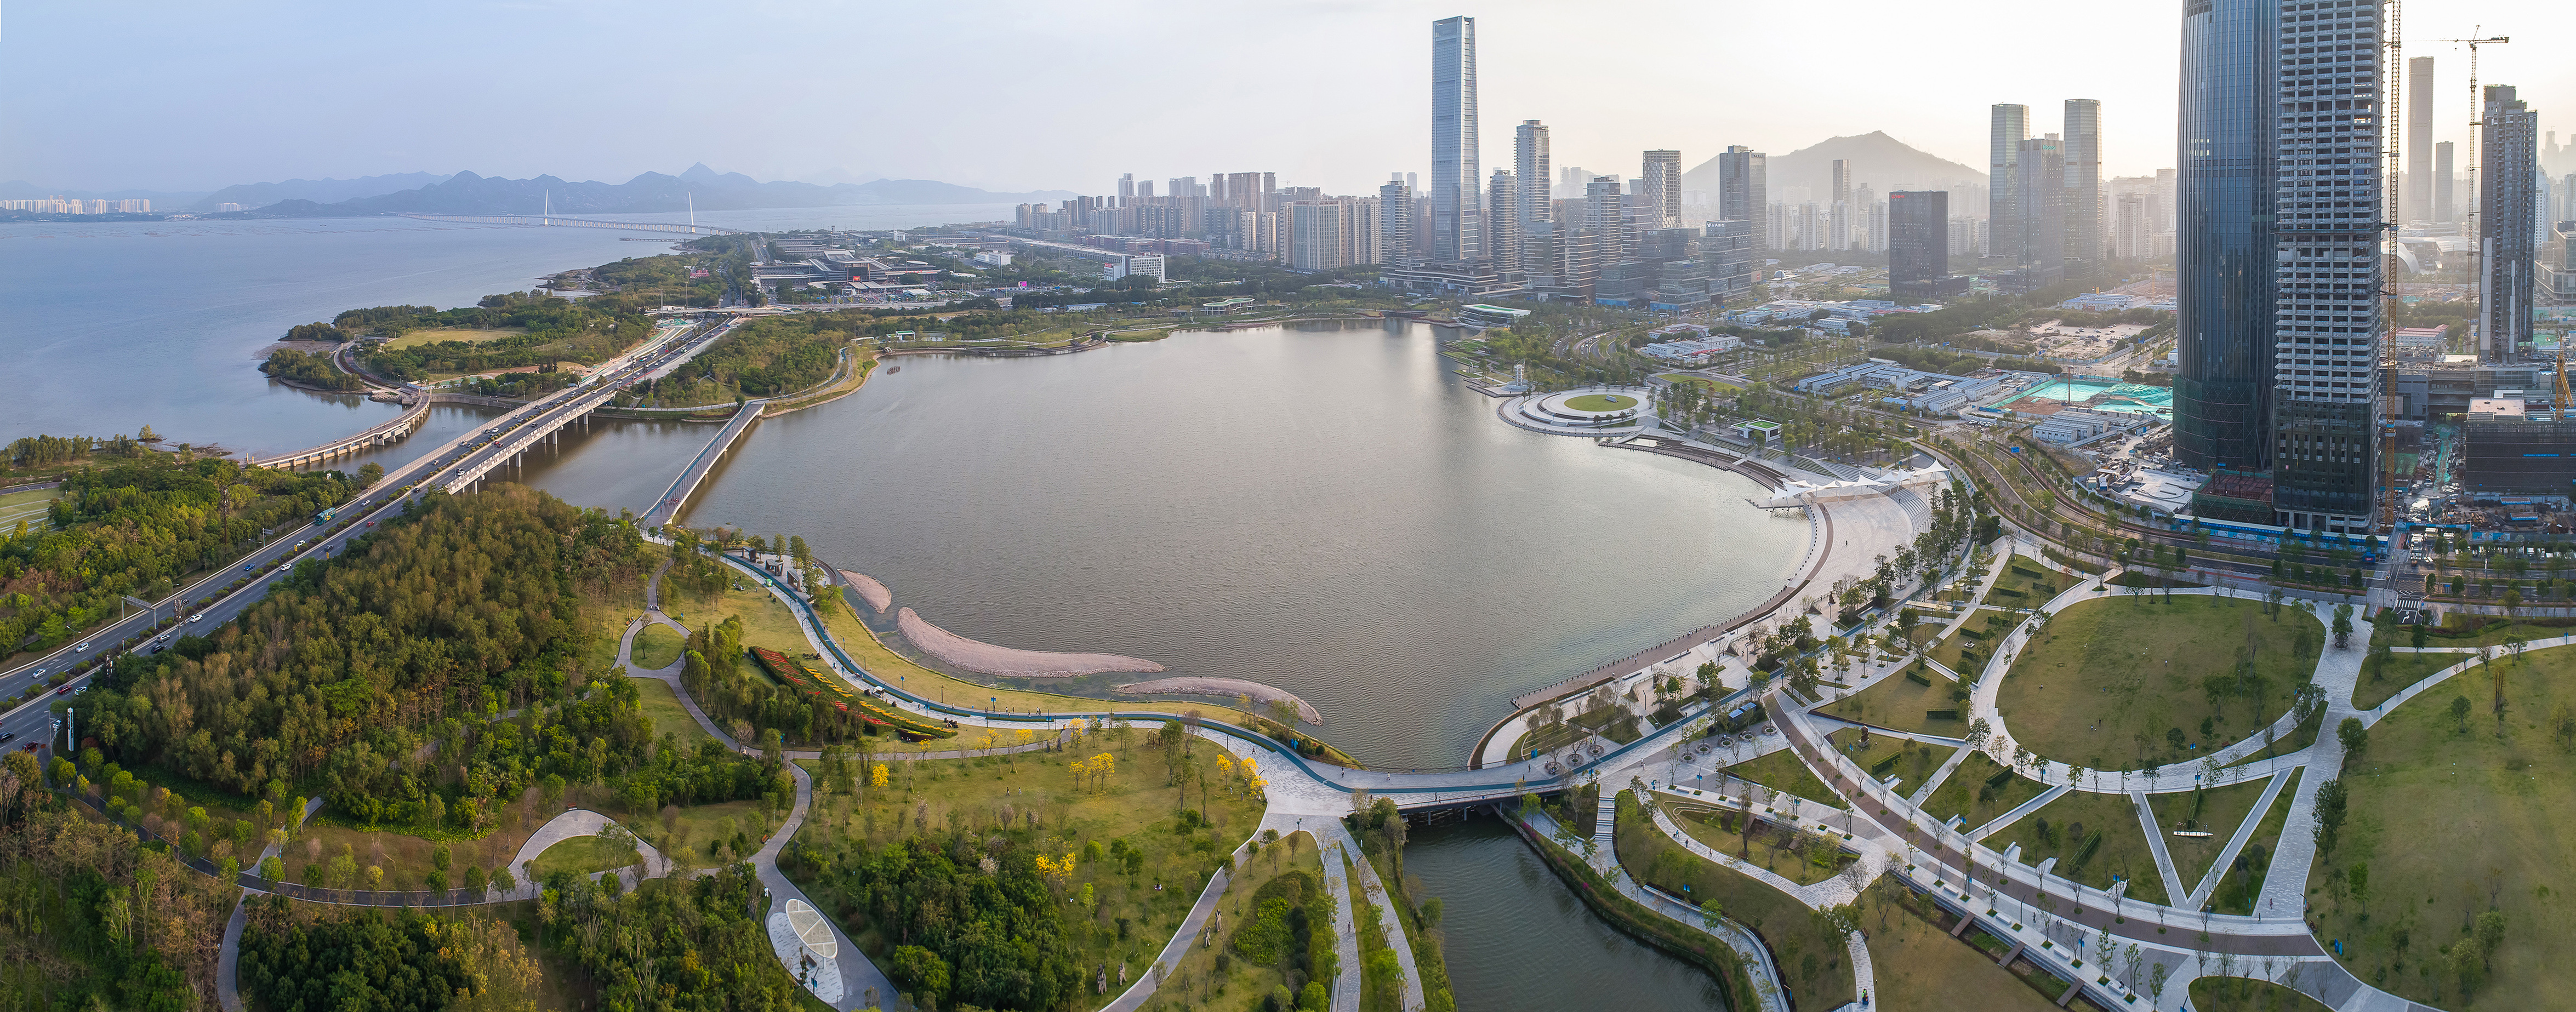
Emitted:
pixel 1007 662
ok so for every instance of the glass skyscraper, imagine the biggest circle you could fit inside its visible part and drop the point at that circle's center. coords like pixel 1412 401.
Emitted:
pixel 1457 233
pixel 2223 235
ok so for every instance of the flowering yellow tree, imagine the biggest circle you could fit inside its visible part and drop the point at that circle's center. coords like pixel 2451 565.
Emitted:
pixel 1058 875
pixel 877 777
pixel 1103 766
pixel 1079 768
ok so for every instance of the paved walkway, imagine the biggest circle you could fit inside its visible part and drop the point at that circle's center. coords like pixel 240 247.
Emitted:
pixel 1346 924
pixel 1391 917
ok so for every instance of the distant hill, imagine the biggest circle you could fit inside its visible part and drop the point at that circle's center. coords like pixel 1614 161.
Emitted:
pixel 1878 161
pixel 467 193
pixel 20 189
pixel 320 191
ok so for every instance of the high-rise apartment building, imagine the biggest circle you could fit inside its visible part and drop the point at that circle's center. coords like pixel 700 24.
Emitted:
pixel 2039 215
pixel 2508 203
pixel 2446 194
pixel 2325 109
pixel 1457 225
pixel 1395 221
pixel 2009 125
pixel 1663 188
pixel 1502 195
pixel 2130 237
pixel 1741 193
pixel 2419 140
pixel 2223 245
pixel 1606 216
pixel 1842 179
pixel 2082 179
pixel 1533 208
pixel 1318 235
pixel 1918 242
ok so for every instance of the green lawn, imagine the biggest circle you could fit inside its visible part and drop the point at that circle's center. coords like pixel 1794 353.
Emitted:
pixel 583 855
pixel 1899 702
pixel 2400 672
pixel 1918 967
pixel 1196 982
pixel 2059 828
pixel 2243 883
pixel 2239 994
pixel 1966 792
pixel 656 646
pixel 1783 771
pixel 1601 402
pixel 30 508
pixel 2217 811
pixel 1914 760
pixel 669 717
pixel 1713 386
pixel 2452 822
pixel 1967 650
pixel 2109 680
pixel 1810 956
pixel 1771 846
pixel 2027 584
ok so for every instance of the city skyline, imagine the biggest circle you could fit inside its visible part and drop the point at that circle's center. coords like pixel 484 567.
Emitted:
pixel 253 121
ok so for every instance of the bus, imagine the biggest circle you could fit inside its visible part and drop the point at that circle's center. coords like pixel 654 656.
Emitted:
pixel 325 516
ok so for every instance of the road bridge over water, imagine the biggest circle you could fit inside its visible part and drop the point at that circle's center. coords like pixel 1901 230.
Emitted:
pixel 550 220
pixel 667 508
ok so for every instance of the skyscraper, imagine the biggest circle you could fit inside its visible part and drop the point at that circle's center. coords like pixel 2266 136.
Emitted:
pixel 1457 232
pixel 1663 190
pixel 1918 242
pixel 2083 179
pixel 2507 208
pixel 1741 195
pixel 2419 140
pixel 1531 203
pixel 1727 247
pixel 1395 220
pixel 2039 213
pixel 1605 215
pixel 2010 125
pixel 1842 174
pixel 2446 193
pixel 2326 264
pixel 2223 241
pixel 1502 195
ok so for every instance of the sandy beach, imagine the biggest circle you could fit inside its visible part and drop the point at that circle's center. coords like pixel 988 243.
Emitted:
pixel 1227 688
pixel 988 659
pixel 870 591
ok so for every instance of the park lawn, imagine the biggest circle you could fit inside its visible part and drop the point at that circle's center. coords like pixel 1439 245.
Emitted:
pixel 1953 649
pixel 2243 883
pixel 1916 760
pixel 1135 804
pixel 1713 386
pixel 1782 771
pixel 2451 822
pixel 469 335
pixel 407 859
pixel 1195 981
pixel 1899 703
pixel 2244 994
pixel 606 613
pixel 1601 402
pixel 2221 809
pixel 2301 736
pixel 1918 967
pixel 2106 680
pixel 2123 853
pixel 669 717
pixel 841 621
pixel 2034 591
pixel 581 855
pixel 2401 672
pixel 1381 980
pixel 1966 793
pixel 2499 634
pixel 1809 955
pixel 656 646
pixel 33 508
pixel 1723 832
pixel 690 836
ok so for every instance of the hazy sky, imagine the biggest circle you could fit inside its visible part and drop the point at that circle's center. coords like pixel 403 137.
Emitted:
pixel 1025 95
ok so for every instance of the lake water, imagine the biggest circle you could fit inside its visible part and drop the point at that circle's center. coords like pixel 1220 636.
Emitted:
pixel 1323 508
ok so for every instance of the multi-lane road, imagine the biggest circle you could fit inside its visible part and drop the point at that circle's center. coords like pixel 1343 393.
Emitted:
pixel 205 604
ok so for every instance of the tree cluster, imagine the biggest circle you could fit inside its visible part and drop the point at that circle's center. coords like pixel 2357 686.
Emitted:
pixel 969 917
pixel 92 919
pixel 671 945
pixel 315 371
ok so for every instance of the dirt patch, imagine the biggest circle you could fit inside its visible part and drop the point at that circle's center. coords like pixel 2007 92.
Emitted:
pixel 986 658
pixel 870 591
pixel 1227 687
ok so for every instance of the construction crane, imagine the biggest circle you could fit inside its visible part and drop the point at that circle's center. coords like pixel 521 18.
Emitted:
pixel 2477 118
pixel 2565 403
pixel 2390 402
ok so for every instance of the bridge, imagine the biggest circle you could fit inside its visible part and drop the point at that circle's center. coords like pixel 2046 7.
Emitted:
pixel 399 428
pixel 549 220
pixel 517 436
pixel 667 508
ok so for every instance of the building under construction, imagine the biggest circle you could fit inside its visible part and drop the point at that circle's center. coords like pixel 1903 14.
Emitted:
pixel 2514 450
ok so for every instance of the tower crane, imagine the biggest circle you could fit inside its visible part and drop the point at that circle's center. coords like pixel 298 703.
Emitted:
pixel 2477 118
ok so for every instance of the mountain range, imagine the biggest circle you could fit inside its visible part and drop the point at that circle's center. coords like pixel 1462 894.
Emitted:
pixel 1878 161
pixel 467 193
pixel 318 190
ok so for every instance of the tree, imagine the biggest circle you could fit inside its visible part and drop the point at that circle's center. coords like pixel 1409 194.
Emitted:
pixel 2460 712
pixel 2330 810
pixel 2342 625
pixel 2355 737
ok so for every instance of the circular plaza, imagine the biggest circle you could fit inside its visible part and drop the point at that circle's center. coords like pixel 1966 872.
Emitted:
pixel 1583 411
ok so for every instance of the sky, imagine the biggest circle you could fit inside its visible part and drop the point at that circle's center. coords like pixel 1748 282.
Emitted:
pixel 1010 95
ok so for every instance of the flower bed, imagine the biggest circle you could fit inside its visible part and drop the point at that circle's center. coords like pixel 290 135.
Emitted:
pixel 831 690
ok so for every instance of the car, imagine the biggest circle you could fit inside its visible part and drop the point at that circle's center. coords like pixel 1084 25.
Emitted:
pixel 199 617
pixel 38 673
pixel 5 736
pixel 248 566
pixel 64 691
pixel 32 746
pixel 372 523
pixel 81 649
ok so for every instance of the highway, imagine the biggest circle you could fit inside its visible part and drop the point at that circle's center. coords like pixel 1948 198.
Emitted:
pixel 207 603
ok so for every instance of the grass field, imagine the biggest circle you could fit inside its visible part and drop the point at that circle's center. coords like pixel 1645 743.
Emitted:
pixel 1899 703
pixel 30 508
pixel 1195 982
pixel 1989 626
pixel 669 717
pixel 1723 832
pixel 582 855
pixel 2075 815
pixel 1602 402
pixel 2108 680
pixel 2220 809
pixel 2452 823
pixel 1918 967
pixel 465 334
pixel 2238 994
pixel 2243 882
pixel 2019 588
pixel 1810 957
pixel 1782 771
pixel 656 647
pixel 1134 804
pixel 1713 386
pixel 2401 671
pixel 1915 760
pixel 1966 793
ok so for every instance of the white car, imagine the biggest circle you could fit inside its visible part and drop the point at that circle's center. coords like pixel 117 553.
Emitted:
pixel 196 618
pixel 81 649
